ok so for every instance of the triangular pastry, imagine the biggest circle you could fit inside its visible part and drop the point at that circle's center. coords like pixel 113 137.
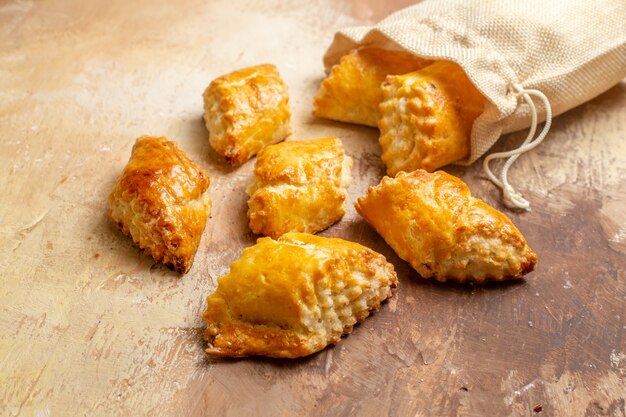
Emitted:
pixel 161 201
pixel 431 221
pixel 293 296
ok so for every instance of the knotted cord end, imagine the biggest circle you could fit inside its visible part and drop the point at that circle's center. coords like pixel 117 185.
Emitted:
pixel 514 199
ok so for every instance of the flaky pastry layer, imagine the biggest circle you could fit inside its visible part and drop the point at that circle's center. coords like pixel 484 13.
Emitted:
pixel 293 296
pixel 299 186
pixel 245 111
pixel 427 117
pixel 432 221
pixel 352 93
pixel 161 202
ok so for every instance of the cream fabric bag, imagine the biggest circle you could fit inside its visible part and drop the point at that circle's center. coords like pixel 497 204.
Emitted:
pixel 532 59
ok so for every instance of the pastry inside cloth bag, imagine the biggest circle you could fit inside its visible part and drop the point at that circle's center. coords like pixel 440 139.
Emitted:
pixel 487 68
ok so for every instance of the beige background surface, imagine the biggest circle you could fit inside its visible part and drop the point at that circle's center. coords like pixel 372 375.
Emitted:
pixel 90 326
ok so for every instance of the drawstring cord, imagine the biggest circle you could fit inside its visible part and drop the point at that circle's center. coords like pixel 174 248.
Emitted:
pixel 512 197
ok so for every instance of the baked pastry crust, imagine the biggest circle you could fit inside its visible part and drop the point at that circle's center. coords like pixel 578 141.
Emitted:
pixel 161 202
pixel 245 111
pixel 351 93
pixel 432 222
pixel 299 187
pixel 293 296
pixel 427 117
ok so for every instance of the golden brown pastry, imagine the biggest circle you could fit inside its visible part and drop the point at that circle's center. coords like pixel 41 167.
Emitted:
pixel 161 201
pixel 427 117
pixel 293 296
pixel 352 93
pixel 433 222
pixel 245 111
pixel 299 187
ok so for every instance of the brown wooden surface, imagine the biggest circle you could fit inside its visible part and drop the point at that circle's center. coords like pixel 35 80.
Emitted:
pixel 89 326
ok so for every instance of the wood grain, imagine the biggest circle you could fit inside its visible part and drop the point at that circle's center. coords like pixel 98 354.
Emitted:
pixel 90 326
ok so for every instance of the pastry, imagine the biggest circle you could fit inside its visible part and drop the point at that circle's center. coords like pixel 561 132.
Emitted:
pixel 299 187
pixel 427 117
pixel 432 222
pixel 245 111
pixel 293 296
pixel 161 201
pixel 352 93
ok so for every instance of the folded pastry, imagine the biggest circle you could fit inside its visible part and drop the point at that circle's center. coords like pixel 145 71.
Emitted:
pixel 161 201
pixel 432 222
pixel 299 187
pixel 427 117
pixel 245 111
pixel 352 93
pixel 293 296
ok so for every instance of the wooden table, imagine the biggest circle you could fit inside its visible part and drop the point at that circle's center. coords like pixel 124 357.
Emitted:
pixel 90 326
